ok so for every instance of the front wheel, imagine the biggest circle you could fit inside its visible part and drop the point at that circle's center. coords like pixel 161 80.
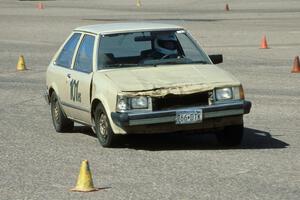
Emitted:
pixel 231 135
pixel 102 126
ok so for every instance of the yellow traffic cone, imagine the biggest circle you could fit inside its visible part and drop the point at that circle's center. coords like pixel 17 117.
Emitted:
pixel 84 181
pixel 21 64
pixel 138 3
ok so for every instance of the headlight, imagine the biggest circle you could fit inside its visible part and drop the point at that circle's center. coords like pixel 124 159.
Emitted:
pixel 223 94
pixel 235 92
pixel 139 102
pixel 126 103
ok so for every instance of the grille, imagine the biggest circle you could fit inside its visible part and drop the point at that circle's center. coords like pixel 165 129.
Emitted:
pixel 172 101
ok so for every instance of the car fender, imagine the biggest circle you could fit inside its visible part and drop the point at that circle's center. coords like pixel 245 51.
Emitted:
pixel 104 90
pixel 53 86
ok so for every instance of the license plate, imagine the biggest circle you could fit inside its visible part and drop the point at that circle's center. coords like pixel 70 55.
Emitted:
pixel 188 116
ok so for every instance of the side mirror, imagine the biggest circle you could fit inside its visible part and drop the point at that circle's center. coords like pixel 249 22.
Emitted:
pixel 216 59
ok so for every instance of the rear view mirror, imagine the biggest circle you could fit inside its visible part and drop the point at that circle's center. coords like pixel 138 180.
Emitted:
pixel 216 59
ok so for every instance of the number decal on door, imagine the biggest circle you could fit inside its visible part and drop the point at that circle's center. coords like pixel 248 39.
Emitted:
pixel 74 94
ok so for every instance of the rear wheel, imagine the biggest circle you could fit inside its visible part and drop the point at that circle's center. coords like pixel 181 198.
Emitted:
pixel 60 122
pixel 231 135
pixel 102 127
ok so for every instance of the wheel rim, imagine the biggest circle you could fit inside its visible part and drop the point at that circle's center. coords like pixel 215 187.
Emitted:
pixel 103 125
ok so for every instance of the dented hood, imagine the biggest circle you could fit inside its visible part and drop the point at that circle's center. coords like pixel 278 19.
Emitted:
pixel 166 79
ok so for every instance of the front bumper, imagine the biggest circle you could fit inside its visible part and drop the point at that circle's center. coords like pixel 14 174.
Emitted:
pixel 169 116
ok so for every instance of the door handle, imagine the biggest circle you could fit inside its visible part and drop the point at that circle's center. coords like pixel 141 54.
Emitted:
pixel 68 79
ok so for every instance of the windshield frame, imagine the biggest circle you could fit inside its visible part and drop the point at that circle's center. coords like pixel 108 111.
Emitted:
pixel 197 45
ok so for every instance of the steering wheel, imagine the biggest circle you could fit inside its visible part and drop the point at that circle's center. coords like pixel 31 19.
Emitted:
pixel 165 56
pixel 168 56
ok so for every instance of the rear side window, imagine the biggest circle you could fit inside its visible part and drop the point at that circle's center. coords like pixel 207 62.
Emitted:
pixel 84 58
pixel 65 57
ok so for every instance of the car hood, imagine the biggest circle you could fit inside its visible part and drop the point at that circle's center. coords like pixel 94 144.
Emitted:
pixel 166 79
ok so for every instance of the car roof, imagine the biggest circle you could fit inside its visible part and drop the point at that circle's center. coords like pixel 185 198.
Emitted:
pixel 126 27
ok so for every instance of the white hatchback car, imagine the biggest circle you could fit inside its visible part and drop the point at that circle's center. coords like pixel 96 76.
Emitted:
pixel 142 78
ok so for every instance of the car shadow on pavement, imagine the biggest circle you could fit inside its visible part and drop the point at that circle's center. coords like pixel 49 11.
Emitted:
pixel 253 139
pixel 86 130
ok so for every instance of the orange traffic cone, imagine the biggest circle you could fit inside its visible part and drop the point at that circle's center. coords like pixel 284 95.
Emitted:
pixel 40 6
pixel 264 44
pixel 296 65
pixel 227 7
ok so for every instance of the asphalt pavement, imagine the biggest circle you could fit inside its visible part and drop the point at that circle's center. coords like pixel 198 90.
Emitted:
pixel 38 163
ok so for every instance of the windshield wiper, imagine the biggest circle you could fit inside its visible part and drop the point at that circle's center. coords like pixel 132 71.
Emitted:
pixel 167 61
pixel 119 65
pixel 198 62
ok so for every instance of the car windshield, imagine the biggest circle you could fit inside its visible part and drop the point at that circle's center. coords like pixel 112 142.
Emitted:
pixel 149 48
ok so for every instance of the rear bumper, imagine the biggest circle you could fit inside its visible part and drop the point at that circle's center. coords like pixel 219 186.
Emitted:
pixel 169 116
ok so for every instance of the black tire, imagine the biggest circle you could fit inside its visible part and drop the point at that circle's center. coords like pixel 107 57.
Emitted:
pixel 60 122
pixel 231 135
pixel 102 126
